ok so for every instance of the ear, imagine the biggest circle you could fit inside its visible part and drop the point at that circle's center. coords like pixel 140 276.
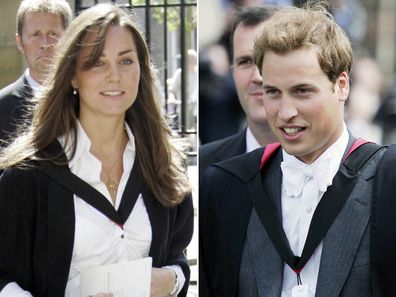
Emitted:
pixel 342 86
pixel 74 82
pixel 19 43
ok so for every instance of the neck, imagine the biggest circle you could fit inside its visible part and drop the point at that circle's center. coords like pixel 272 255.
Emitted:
pixel 37 77
pixel 262 133
pixel 107 136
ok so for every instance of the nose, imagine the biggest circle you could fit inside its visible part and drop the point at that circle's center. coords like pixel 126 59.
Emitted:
pixel 287 109
pixel 113 73
pixel 46 43
pixel 256 77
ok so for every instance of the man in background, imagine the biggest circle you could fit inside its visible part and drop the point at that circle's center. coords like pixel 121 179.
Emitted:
pixel 247 27
pixel 40 24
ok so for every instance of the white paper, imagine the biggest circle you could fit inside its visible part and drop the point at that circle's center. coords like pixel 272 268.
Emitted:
pixel 123 279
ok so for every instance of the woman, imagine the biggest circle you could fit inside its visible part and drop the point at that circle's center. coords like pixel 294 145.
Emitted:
pixel 96 179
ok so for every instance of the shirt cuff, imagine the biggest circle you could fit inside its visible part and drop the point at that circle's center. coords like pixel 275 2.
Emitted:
pixel 180 276
pixel 13 290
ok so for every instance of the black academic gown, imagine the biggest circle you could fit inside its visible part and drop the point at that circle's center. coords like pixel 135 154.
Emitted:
pixel 383 233
pixel 37 228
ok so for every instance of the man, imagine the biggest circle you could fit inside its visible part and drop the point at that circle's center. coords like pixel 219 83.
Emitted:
pixel 247 26
pixel 40 23
pixel 294 220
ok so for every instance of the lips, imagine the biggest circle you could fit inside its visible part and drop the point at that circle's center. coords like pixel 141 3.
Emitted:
pixel 292 131
pixel 112 93
pixel 256 93
pixel 43 58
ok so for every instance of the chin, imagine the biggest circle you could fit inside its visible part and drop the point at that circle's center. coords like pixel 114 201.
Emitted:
pixel 293 149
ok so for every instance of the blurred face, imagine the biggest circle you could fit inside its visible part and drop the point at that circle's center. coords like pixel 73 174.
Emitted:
pixel 248 81
pixel 40 32
pixel 304 108
pixel 110 87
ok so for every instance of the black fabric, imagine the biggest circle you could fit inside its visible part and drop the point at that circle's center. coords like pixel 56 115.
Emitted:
pixel 224 212
pixel 366 153
pixel 73 183
pixel 37 231
pixel 383 231
pixel 220 150
pixel 14 102
pixel 58 244
pixel 218 277
pixel 133 188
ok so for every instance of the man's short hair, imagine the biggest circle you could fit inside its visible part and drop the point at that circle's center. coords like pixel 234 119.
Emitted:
pixel 250 16
pixel 312 26
pixel 55 7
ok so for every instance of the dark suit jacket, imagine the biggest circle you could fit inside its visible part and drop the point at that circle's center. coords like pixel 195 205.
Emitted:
pixel 37 230
pixel 225 209
pixel 220 150
pixel 13 106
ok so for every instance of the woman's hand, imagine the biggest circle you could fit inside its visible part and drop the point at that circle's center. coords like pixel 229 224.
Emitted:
pixel 162 282
pixel 104 295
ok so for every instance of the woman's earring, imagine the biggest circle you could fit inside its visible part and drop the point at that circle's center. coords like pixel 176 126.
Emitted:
pixel 74 91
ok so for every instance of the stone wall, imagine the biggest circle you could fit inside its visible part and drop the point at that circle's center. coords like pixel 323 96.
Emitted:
pixel 11 61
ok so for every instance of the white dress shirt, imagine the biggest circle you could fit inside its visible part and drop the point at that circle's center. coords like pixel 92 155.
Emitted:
pixel 298 206
pixel 98 240
pixel 251 141
pixel 34 85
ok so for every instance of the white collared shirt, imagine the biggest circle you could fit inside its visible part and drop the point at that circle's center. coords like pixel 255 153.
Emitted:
pixel 34 85
pixel 251 141
pixel 297 214
pixel 98 240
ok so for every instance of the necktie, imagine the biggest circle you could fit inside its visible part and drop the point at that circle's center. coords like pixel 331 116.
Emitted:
pixel 296 176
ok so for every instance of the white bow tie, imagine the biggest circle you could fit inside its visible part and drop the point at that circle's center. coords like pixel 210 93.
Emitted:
pixel 295 177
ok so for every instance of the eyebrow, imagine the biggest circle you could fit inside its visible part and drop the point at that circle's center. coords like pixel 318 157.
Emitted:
pixel 243 57
pixel 123 52
pixel 126 52
pixel 269 87
pixel 304 85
